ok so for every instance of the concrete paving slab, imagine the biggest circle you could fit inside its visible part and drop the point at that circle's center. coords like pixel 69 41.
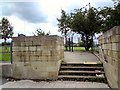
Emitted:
pixel 80 57
pixel 53 84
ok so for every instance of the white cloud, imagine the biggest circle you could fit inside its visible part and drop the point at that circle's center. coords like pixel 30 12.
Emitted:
pixel 27 28
pixel 51 8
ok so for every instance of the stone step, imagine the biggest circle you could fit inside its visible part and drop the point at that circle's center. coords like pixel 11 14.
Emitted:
pixel 89 72
pixel 82 78
pixel 82 64
pixel 82 71
pixel 77 77
pixel 81 68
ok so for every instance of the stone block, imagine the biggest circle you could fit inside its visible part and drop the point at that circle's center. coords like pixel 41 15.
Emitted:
pixel 44 58
pixel 16 43
pixel 45 52
pixel 116 46
pixel 116 54
pixel 27 58
pixel 47 43
pixel 33 48
pixel 105 51
pixel 28 43
pixel 15 48
pixel 109 40
pixel 117 30
pixel 103 41
pixel 33 58
pixel 109 46
pixel 39 58
pixel 115 63
pixel 39 48
pixel 115 38
pixel 53 53
pixel 23 49
pixel 39 53
pixel 18 39
pixel 23 44
pixel 16 59
pixel 110 53
pixel 53 58
pixel 36 43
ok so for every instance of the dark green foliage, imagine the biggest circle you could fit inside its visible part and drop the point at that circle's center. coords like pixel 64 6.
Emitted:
pixel 86 22
pixel 64 25
pixel 39 32
pixel 110 17
pixel 6 31
pixel 81 44
pixel 3 44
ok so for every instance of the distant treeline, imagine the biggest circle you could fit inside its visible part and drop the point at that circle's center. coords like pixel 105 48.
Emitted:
pixel 3 44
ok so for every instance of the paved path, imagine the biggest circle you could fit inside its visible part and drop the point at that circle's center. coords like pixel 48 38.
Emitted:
pixel 80 57
pixel 53 84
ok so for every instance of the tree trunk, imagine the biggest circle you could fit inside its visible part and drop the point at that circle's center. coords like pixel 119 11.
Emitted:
pixel 66 42
pixel 87 46
pixel 5 43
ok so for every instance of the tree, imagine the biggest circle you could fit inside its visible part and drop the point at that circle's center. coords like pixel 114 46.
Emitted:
pixel 39 32
pixel 63 24
pixel 86 22
pixel 6 31
pixel 110 17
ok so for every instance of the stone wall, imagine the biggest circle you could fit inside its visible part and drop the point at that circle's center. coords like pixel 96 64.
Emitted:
pixel 110 56
pixel 37 57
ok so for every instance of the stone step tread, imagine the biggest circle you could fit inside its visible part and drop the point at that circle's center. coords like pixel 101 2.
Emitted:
pixel 80 67
pixel 73 71
pixel 73 76
pixel 82 63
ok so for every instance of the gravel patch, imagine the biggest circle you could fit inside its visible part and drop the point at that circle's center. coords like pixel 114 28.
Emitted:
pixel 52 84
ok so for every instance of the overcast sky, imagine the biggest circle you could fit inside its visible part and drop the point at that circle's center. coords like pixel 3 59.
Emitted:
pixel 28 15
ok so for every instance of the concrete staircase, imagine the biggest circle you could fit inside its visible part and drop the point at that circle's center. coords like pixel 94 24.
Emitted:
pixel 82 72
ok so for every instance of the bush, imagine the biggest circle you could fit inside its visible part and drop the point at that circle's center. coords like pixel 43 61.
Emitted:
pixel 7 43
pixel 81 44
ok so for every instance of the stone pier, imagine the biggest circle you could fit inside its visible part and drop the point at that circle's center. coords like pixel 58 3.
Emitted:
pixel 110 56
pixel 37 57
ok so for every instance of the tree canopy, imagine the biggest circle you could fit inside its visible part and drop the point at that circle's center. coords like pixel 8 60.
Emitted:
pixel 39 32
pixel 64 24
pixel 89 20
pixel 6 30
pixel 86 22
pixel 110 17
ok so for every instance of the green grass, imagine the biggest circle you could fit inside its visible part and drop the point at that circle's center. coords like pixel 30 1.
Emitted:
pixel 77 48
pixel 4 53
pixel 5 57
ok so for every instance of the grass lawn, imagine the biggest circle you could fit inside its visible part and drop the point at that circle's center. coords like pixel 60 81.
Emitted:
pixel 5 57
pixel 77 48
pixel 4 54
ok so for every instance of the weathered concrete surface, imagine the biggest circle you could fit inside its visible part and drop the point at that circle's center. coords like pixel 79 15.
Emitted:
pixel 110 43
pixel 54 84
pixel 36 57
pixel 80 57
pixel 36 70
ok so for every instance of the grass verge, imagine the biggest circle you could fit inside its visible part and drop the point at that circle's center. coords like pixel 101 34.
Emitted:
pixel 76 48
pixel 5 53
